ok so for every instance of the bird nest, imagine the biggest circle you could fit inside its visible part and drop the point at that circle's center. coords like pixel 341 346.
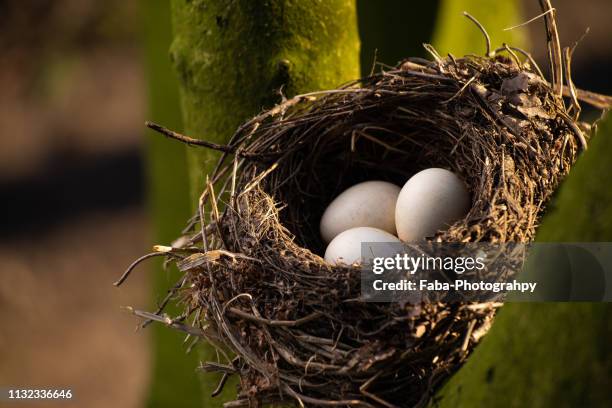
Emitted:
pixel 295 328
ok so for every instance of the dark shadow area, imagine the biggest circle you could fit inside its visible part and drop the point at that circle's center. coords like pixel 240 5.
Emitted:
pixel 392 30
pixel 71 186
pixel 593 74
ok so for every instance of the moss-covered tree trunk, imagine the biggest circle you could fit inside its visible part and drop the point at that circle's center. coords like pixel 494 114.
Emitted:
pixel 232 57
pixel 551 354
pixel 172 382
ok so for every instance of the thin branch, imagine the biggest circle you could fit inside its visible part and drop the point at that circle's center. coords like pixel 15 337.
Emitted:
pixel 186 139
pixel 526 54
pixel 274 323
pixel 554 47
pixel 577 132
pixel 530 21
pixel 482 29
pixel 594 99
pixel 220 386
pixel 326 403
pixel 567 64
pixel 167 321
pixel 135 264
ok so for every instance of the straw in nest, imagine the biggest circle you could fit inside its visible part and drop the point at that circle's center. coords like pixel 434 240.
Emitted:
pixel 293 327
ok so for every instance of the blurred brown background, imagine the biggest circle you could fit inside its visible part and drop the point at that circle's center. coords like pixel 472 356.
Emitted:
pixel 72 104
pixel 72 107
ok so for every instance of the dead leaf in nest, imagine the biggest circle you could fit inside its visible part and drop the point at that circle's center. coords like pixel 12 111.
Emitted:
pixel 519 83
pixel 523 99
pixel 530 106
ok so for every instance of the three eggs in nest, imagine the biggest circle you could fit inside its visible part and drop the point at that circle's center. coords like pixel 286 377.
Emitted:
pixel 379 211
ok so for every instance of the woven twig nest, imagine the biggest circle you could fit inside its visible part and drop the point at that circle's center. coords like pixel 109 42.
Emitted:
pixel 291 326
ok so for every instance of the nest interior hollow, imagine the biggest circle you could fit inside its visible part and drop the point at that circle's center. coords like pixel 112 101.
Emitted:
pixel 293 327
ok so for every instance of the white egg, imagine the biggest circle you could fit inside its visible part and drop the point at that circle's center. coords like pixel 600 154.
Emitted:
pixel 346 246
pixel 368 204
pixel 430 200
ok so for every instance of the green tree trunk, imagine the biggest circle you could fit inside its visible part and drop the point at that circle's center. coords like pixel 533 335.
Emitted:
pixel 233 56
pixel 551 354
pixel 172 382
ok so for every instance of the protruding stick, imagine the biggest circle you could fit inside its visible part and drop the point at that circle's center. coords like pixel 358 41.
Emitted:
pixel 481 28
pixel 186 139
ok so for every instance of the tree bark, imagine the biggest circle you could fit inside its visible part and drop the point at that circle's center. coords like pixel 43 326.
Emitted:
pixel 232 57
pixel 551 354
pixel 172 382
